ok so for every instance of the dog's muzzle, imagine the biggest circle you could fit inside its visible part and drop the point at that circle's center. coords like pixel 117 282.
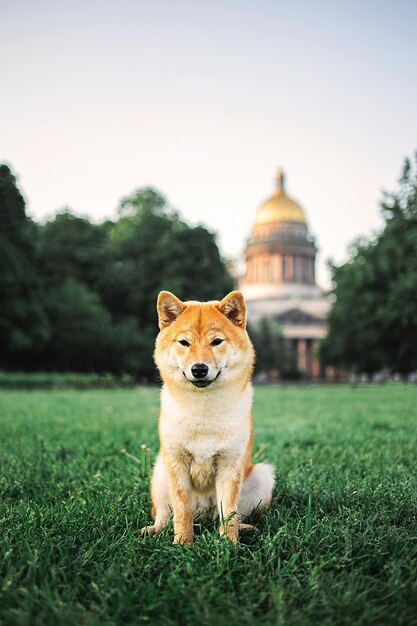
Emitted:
pixel 202 382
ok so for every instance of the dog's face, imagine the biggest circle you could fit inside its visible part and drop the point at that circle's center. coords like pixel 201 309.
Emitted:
pixel 203 344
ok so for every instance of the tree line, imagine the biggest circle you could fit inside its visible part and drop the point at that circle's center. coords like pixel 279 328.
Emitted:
pixel 79 296
pixel 373 321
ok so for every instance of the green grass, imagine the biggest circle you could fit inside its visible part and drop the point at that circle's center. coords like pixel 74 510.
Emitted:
pixel 338 546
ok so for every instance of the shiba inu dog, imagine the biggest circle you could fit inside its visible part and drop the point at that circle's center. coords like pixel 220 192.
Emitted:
pixel 205 359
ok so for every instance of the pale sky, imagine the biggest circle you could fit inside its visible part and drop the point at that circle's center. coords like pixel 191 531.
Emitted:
pixel 203 100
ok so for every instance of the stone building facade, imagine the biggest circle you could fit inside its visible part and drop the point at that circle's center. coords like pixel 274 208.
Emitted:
pixel 279 280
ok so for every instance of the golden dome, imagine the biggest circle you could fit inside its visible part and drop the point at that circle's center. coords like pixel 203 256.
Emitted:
pixel 279 207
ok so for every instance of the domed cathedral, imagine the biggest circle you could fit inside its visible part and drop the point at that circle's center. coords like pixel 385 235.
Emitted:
pixel 279 281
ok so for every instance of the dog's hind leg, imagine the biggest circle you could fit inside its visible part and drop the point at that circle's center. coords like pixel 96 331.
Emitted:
pixel 161 503
pixel 256 492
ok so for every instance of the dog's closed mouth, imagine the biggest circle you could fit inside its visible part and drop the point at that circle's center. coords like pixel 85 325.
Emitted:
pixel 202 383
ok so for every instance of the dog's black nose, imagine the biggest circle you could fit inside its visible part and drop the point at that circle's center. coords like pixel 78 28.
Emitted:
pixel 199 370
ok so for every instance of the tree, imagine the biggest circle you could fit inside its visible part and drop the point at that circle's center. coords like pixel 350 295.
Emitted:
pixel 273 352
pixel 23 324
pixel 152 249
pixel 373 322
pixel 84 337
pixel 72 246
pixel 81 296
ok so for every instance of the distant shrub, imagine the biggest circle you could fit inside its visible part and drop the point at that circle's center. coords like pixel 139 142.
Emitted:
pixel 23 380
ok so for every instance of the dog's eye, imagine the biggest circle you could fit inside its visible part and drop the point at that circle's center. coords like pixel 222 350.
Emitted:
pixel 217 342
pixel 184 342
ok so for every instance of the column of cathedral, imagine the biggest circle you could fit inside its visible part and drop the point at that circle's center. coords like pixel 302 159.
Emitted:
pixel 276 268
pixel 307 358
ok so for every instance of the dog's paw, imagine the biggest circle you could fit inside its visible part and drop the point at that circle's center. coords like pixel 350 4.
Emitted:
pixel 150 530
pixel 233 538
pixel 231 532
pixel 184 541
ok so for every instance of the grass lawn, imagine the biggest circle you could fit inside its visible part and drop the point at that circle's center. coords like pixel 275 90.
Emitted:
pixel 338 546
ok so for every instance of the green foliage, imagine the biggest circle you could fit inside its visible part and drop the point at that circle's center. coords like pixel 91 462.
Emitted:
pixel 144 200
pixel 72 247
pixel 373 322
pixel 40 380
pixel 152 249
pixel 273 352
pixel 83 337
pixel 157 250
pixel 336 547
pixel 23 324
pixel 81 296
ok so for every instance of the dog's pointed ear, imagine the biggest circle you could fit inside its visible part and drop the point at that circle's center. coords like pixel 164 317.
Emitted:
pixel 234 308
pixel 168 307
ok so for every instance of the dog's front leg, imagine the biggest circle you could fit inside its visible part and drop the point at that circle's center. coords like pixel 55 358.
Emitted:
pixel 180 488
pixel 228 485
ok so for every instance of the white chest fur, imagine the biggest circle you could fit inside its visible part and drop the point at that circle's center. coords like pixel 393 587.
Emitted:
pixel 204 426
